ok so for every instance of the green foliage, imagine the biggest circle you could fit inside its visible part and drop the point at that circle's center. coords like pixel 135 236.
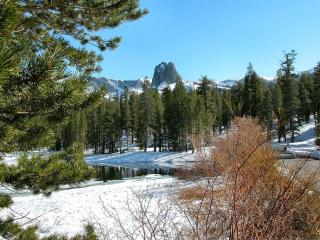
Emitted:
pixel 45 174
pixel 8 229
pixel 317 142
pixel 38 96
pixel 208 92
pixel 125 115
pixel 157 121
pixel 236 99
pixel 227 113
pixel 253 93
pixel 265 113
pixel 289 90
pixel 5 200
pixel 104 126
pixel 44 91
pixel 47 23
pixel 276 100
pixel 305 102
pixel 146 114
pixel 133 106
pixel 316 91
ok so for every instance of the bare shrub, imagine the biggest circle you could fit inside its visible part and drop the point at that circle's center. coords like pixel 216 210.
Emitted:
pixel 149 216
pixel 254 200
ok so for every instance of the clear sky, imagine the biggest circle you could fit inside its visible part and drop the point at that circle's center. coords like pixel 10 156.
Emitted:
pixel 217 38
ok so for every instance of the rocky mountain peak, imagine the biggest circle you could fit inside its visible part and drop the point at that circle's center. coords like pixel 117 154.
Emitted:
pixel 164 73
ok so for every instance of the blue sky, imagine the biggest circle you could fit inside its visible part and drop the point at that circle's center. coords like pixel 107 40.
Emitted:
pixel 217 38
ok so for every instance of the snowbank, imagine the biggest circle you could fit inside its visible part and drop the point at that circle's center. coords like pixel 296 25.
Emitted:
pixel 304 145
pixel 67 211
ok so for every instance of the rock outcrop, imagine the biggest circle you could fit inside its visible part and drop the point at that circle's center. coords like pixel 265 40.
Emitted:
pixel 164 73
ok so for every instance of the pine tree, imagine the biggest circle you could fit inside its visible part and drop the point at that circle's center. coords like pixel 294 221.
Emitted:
pixel 178 133
pixel 247 91
pixel 305 102
pixel 37 90
pixel 125 115
pixel 177 117
pixel 317 142
pixel 167 100
pixel 74 131
pixel 133 109
pixel 236 99
pixel 265 113
pixel 198 117
pixel 207 90
pixel 146 113
pixel 47 23
pixel 227 112
pixel 157 122
pixel 316 101
pixel 252 93
pixel 289 91
pixel 93 130
pixel 278 111
pixel 114 130
pixel 316 92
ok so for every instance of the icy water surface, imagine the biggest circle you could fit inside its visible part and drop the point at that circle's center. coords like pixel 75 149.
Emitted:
pixel 106 173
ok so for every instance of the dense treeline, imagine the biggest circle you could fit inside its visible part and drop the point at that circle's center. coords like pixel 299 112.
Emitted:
pixel 177 119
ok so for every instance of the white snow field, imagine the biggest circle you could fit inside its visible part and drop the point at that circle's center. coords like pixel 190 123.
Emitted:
pixel 67 211
pixel 304 145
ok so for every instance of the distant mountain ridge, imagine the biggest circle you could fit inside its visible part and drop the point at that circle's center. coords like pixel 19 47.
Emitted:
pixel 165 75
pixel 118 86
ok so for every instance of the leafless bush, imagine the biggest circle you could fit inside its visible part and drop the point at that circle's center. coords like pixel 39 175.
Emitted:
pixel 150 216
pixel 254 200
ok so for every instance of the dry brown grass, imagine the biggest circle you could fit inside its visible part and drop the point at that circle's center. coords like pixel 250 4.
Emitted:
pixel 192 193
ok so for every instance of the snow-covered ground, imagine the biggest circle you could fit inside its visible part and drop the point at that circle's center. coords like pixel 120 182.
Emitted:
pixel 304 145
pixel 67 211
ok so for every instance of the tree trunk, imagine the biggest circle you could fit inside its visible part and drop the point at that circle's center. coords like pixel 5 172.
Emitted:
pixel 132 137
pixel 292 130
pixel 103 145
pixel 159 142
pixel 127 136
pixel 154 142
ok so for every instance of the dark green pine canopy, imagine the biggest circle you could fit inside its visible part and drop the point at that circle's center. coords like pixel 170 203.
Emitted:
pixel 44 82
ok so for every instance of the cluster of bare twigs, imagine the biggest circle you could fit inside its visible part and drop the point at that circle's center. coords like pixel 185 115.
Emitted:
pixel 149 216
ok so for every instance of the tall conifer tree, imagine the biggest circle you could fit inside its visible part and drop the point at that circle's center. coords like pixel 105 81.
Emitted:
pixel 37 91
pixel 289 89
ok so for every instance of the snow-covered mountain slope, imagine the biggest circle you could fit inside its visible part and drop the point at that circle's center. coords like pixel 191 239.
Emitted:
pixel 227 83
pixel 115 87
pixel 118 86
